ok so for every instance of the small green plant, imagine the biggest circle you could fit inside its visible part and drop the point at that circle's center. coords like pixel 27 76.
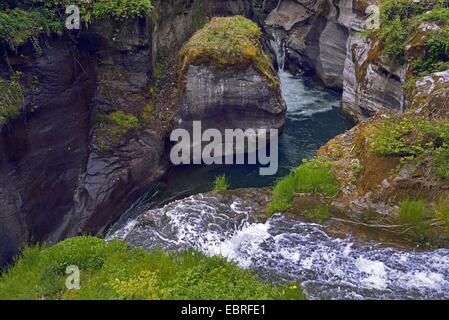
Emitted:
pixel 313 176
pixel 319 214
pixel 283 194
pixel 413 212
pixel 113 127
pixel 442 213
pixel 221 184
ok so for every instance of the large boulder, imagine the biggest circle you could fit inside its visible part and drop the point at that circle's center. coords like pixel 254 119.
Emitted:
pixel 228 80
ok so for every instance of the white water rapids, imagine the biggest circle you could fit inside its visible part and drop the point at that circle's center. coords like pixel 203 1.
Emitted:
pixel 286 251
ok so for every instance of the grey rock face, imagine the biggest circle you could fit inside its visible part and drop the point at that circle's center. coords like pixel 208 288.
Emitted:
pixel 315 40
pixel 370 85
pixel 321 38
pixel 53 184
pixel 231 98
pixel 42 154
pixel 288 13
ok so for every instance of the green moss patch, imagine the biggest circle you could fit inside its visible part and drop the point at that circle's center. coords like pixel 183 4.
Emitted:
pixel 114 127
pixel 228 42
pixel 112 271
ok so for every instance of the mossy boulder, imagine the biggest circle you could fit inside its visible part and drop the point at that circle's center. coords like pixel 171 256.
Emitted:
pixel 228 42
pixel 227 79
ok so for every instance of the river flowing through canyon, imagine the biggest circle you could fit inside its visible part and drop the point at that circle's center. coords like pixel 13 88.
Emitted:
pixel 282 250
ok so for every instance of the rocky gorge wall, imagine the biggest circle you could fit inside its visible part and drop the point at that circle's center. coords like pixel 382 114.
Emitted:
pixel 64 169
pixel 322 39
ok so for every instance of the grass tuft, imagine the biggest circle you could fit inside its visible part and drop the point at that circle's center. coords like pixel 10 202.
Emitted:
pixel 221 184
pixel 313 176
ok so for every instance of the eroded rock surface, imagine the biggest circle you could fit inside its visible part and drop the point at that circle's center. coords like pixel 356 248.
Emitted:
pixel 55 181
pixel 321 38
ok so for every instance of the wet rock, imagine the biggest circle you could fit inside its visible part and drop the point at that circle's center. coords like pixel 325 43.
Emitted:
pixel 54 182
pixel 231 98
pixel 43 153
pixel 228 85
pixel 321 39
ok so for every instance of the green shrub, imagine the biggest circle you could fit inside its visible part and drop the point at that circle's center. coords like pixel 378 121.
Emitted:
pixel 17 26
pixel 112 271
pixel 394 35
pixel 313 176
pixel 415 139
pixel 221 184
pixel 29 19
pixel 400 20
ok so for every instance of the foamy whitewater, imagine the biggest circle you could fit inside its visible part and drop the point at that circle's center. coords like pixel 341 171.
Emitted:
pixel 287 251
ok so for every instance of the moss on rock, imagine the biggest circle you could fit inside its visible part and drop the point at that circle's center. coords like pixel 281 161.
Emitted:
pixel 228 42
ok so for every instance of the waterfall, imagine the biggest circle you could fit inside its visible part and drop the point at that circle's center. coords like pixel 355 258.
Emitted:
pixel 278 44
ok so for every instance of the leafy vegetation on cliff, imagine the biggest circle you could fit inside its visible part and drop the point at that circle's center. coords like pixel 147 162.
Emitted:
pixel 228 42
pixel 415 139
pixel 101 9
pixel 17 26
pixel 28 19
pixel 11 98
pixel 112 271
pixel 313 176
pixel 401 26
